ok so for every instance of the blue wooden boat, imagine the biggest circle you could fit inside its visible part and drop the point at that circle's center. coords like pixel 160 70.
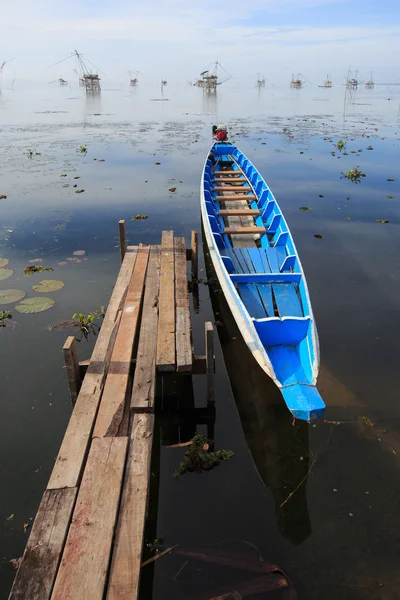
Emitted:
pixel 261 276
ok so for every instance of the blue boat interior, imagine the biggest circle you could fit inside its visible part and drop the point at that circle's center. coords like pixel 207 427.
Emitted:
pixel 263 265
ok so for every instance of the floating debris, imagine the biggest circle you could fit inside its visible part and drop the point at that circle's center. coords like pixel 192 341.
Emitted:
pixel 304 208
pixel 320 196
pixel 382 221
pixel 198 458
pixel 9 296
pixel 35 305
pixel 318 236
pixel 63 175
pixel 77 177
pixel 5 314
pixel 367 421
pixel 36 260
pixel 390 197
pixel 79 191
pixel 62 263
pixel 48 285
pixel 173 189
pixel 76 260
pixel 354 174
pixel 16 562
pixel 79 253
pixel 33 269
pixel 390 179
pixel 139 217
pixel 157 163
pixel 3 197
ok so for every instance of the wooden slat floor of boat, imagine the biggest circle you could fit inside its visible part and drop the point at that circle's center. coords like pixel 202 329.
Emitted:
pixel 237 197
pixel 232 188
pixel 239 212
pixel 243 230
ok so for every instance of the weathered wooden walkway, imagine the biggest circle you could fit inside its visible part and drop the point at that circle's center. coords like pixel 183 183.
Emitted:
pixel 87 538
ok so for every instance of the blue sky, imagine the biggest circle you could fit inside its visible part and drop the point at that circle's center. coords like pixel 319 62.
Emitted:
pixel 176 38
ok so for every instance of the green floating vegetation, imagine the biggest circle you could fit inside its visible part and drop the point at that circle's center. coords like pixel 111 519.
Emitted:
pixel 86 323
pixel 4 314
pixel 318 236
pixel 5 273
pixel 35 269
pixel 48 285
pixel 35 305
pixel 139 217
pixel 79 191
pixel 31 153
pixel 304 208
pixel 4 262
pixel 198 459
pixel 82 149
pixel 354 174
pixel 341 145
pixel 382 221
pixel 10 296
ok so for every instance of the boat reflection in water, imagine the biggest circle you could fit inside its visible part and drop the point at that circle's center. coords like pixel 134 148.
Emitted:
pixel 279 445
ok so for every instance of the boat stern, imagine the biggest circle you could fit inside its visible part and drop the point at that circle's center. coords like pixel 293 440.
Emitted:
pixel 303 401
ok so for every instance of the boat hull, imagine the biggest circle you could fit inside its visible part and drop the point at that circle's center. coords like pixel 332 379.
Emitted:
pixel 284 345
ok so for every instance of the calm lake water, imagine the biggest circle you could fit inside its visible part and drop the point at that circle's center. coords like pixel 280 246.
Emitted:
pixel 320 501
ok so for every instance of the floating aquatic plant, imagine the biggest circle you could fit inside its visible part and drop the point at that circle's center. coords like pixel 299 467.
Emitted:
pixel 4 314
pixel 4 262
pixel 9 296
pixel 198 458
pixel 35 305
pixel 139 217
pixel 86 323
pixel 82 149
pixel 341 145
pixel 48 285
pixel 34 269
pixel 354 174
pixel 5 273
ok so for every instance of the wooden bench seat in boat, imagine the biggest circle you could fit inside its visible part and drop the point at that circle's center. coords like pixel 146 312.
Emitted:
pixel 239 212
pixel 236 197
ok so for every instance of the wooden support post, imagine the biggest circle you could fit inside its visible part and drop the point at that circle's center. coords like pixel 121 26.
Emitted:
pixel 209 331
pixel 72 366
pixel 122 238
pixel 194 254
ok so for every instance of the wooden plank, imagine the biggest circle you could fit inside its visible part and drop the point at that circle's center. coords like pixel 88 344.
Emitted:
pixel 166 306
pixel 272 259
pixel 194 254
pixel 112 403
pixel 182 325
pixel 237 197
pixel 122 238
pixel 72 368
pixel 265 277
pixel 239 212
pixel 127 554
pixel 252 301
pixel 287 300
pixel 243 230
pixel 231 178
pixel 223 172
pixel 72 455
pixel 83 570
pixel 35 576
pixel 231 188
pixel 144 381
pixel 254 254
pixel 247 260
pixel 265 291
pixel 230 252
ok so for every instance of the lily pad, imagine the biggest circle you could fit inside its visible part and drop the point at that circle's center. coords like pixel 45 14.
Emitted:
pixel 10 296
pixel 35 305
pixel 5 273
pixel 4 262
pixel 62 263
pixel 36 260
pixel 304 208
pixel 48 285
pixel 79 253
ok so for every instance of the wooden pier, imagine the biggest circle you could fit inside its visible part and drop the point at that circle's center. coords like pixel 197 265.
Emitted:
pixel 87 539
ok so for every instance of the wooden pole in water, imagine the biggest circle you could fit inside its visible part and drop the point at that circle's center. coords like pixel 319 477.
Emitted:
pixel 210 368
pixel 72 367
pixel 194 254
pixel 122 238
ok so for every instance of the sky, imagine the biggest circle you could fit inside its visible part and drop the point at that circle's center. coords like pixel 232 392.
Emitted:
pixel 176 39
